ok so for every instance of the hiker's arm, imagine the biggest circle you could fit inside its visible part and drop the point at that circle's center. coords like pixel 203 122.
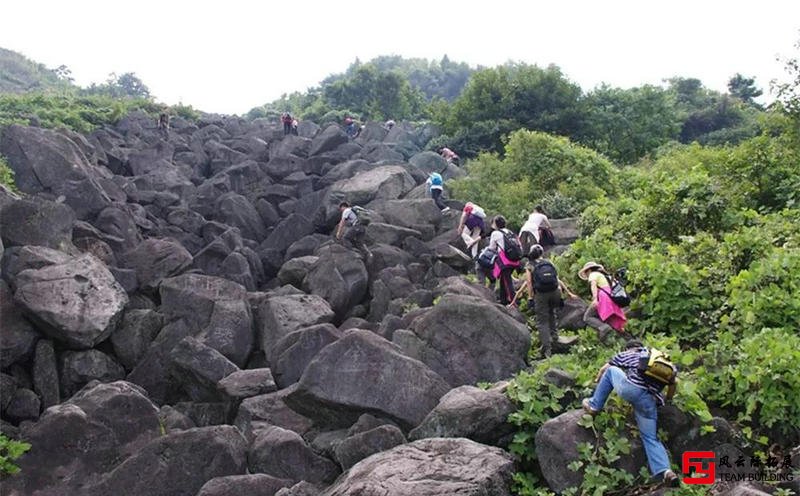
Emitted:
pixel 565 289
pixel 339 229
pixel 529 282
pixel 546 223
pixel 594 292
pixel 461 222
pixel 601 372
pixel 671 390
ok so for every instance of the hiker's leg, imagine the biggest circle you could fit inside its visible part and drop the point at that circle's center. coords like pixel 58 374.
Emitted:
pixel 644 409
pixel 554 302
pixel 469 235
pixel 541 305
pixel 507 285
pixel 437 199
pixel 525 239
pixel 611 379
pixel 592 319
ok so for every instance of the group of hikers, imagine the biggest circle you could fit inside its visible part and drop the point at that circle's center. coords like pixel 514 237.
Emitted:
pixel 290 124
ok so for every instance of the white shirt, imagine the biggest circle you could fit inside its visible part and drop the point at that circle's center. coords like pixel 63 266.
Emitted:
pixel 534 222
pixel 496 241
pixel 350 217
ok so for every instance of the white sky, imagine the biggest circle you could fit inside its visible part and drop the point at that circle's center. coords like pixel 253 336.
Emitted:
pixel 231 56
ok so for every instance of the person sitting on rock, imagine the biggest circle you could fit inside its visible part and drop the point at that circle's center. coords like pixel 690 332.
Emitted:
pixel 449 155
pixel 545 292
pixel 622 374
pixel 529 234
pixel 436 188
pixel 286 119
pixel 471 226
pixel 602 313
pixel 351 230
pixel 350 127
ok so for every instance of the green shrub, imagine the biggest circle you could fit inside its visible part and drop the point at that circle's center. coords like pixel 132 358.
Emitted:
pixel 10 451
pixel 7 175
pixel 757 376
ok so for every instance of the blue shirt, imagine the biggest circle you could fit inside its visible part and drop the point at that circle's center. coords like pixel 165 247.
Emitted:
pixel 629 362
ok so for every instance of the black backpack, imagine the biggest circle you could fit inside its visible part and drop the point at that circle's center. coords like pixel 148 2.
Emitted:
pixel 545 277
pixel 511 246
pixel 617 291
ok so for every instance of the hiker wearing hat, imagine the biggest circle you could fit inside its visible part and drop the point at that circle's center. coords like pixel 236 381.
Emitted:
pixel 603 314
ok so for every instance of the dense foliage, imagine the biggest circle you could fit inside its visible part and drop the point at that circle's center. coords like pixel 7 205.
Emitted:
pixel 537 168
pixel 10 450
pixel 6 174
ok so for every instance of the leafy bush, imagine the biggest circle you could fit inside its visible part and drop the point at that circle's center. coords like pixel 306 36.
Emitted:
pixel 758 376
pixel 6 175
pixel 10 451
pixel 535 165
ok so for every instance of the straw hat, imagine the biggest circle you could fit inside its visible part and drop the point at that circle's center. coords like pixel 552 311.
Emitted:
pixel 583 273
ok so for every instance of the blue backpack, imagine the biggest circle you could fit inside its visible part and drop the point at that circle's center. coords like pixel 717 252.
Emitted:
pixel 436 179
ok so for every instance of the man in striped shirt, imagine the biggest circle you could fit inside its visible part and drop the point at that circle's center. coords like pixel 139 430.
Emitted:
pixel 622 374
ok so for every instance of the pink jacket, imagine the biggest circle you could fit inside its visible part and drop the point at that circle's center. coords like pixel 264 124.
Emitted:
pixel 610 312
pixel 502 261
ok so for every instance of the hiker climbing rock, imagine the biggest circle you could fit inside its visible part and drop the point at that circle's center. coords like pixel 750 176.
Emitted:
pixel 286 119
pixel 449 155
pixel 436 188
pixel 350 127
pixel 163 125
pixel 530 234
pixel 351 229
pixel 638 375
pixel 471 226
pixel 603 313
pixel 509 254
pixel 545 292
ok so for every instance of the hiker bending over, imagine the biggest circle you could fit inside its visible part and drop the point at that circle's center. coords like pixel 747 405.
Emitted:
pixel 545 291
pixel 602 314
pixel 484 266
pixel 529 234
pixel 435 188
pixel 470 226
pixel 629 374
pixel 449 155
pixel 351 230
pixel 505 244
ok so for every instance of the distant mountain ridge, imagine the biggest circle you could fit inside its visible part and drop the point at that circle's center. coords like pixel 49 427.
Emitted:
pixel 18 74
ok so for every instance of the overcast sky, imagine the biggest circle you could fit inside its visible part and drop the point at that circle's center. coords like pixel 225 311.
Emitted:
pixel 234 55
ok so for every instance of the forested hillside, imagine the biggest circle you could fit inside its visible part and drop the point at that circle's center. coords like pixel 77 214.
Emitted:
pixel 18 74
pixel 210 295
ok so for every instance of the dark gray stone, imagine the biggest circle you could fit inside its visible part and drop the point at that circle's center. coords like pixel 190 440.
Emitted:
pixel 78 302
pixel 230 330
pixel 45 374
pixel 192 297
pixel 284 454
pixel 17 336
pixel 338 276
pixel 24 405
pixel 40 222
pixel 294 352
pixel 363 372
pixel 155 260
pixel 270 409
pixel 250 485
pixel 282 315
pixel 359 446
pixel 198 368
pixel 135 333
pixel 247 383
pixel 80 367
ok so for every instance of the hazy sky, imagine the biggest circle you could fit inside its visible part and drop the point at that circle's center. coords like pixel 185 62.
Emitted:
pixel 231 56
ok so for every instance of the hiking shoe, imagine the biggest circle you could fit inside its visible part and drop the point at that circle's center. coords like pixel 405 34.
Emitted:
pixel 670 479
pixel 588 408
pixel 445 210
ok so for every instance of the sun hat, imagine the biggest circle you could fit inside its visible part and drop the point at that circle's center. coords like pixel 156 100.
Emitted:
pixel 587 267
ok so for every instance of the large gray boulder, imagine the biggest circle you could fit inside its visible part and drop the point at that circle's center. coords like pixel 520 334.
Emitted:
pixel 40 222
pixel 284 454
pixel 294 270
pixel 230 330
pixel 363 444
pixel 363 372
pixel 339 276
pixel 237 211
pixel 247 383
pixel 133 336
pixel 270 409
pixel 85 437
pixel 153 371
pixel 468 340
pixel 471 412
pixel 45 374
pixel 329 139
pixel 17 335
pixel 250 485
pixel 557 443
pixel 80 367
pixel 178 464
pixel 408 213
pixel 77 302
pixel 294 352
pixel 46 161
pixel 198 368
pixel 155 260
pixel 441 467
pixel 192 296
pixel 289 230
pixel 279 316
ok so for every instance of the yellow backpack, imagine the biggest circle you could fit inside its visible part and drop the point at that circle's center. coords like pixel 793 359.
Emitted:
pixel 658 366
